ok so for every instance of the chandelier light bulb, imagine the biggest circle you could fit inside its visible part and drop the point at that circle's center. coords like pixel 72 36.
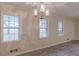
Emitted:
pixel 35 12
pixel 42 9
pixel 47 12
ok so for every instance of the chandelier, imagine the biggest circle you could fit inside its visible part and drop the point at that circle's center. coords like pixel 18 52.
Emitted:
pixel 43 11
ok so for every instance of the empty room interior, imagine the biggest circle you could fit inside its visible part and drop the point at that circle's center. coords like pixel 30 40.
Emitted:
pixel 39 28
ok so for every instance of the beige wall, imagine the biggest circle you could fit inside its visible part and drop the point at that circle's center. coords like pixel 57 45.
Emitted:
pixel 77 29
pixel 30 31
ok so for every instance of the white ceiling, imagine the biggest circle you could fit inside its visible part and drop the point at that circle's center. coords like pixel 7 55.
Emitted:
pixel 67 9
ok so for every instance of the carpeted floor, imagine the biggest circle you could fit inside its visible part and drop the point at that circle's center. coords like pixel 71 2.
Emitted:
pixel 65 49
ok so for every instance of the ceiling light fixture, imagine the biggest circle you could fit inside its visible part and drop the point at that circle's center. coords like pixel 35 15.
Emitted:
pixel 43 11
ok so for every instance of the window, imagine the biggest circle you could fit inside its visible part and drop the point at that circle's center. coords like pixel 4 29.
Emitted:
pixel 43 28
pixel 60 28
pixel 10 28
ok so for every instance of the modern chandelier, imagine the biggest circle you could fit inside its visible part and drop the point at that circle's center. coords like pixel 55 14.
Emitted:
pixel 43 11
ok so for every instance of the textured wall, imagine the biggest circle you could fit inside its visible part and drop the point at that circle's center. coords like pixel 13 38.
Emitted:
pixel 77 29
pixel 30 31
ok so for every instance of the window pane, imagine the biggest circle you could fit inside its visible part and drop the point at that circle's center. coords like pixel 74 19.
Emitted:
pixel 5 31
pixel 60 25
pixel 16 31
pixel 16 34
pixel 11 24
pixel 16 24
pixel 11 37
pixel 42 30
pixel 5 18
pixel 5 21
pixel 16 21
pixel 6 35
pixel 60 30
pixel 11 31
pixel 43 34
pixel 16 37
pixel 11 21
pixel 11 34
pixel 43 24
pixel 5 24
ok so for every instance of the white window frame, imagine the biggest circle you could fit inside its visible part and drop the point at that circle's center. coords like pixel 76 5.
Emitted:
pixel 2 35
